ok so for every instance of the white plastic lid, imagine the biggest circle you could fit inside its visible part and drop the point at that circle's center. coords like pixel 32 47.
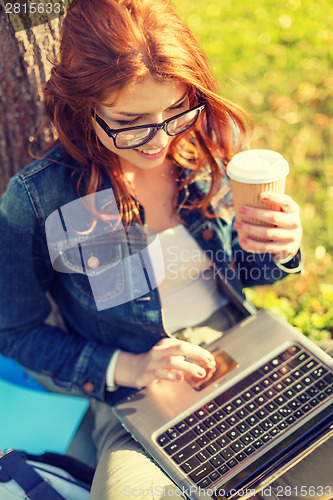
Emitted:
pixel 257 166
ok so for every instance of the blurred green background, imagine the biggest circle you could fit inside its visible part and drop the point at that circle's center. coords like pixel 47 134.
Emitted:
pixel 275 60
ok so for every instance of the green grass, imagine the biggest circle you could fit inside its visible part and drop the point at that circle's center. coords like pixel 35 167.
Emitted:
pixel 275 60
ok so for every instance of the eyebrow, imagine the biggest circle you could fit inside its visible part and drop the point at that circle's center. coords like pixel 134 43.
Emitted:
pixel 145 114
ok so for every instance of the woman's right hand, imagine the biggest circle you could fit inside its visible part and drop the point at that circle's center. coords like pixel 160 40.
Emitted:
pixel 166 360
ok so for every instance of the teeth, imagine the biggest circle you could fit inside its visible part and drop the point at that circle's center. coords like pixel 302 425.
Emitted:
pixel 152 151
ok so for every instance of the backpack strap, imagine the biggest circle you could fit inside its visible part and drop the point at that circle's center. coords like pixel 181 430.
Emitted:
pixel 34 486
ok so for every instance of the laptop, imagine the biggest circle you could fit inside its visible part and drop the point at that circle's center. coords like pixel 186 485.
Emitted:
pixel 267 406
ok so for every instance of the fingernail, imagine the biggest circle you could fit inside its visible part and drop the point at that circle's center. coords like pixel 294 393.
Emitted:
pixel 178 376
pixel 201 372
pixel 238 225
pixel 264 196
pixel 242 210
pixel 243 240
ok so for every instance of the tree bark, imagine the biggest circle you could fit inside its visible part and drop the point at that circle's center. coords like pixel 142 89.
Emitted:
pixel 24 68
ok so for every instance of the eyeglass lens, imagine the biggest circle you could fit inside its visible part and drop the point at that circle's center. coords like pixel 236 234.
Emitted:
pixel 133 138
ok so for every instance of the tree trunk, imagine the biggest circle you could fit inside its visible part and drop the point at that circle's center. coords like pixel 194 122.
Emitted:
pixel 24 68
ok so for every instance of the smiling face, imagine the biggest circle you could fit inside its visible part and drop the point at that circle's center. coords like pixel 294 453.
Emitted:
pixel 147 102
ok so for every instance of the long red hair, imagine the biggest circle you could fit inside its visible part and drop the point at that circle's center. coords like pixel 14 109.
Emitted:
pixel 107 45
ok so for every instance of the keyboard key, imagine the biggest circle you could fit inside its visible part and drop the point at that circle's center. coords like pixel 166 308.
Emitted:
pixel 242 413
pixel 241 456
pixel 223 441
pixel 203 441
pixel 274 431
pixel 260 400
pixel 258 444
pixel 233 434
pixel 276 418
pixel 265 438
pixel 211 407
pixel 257 431
pixel 172 433
pixel 163 439
pixel 182 426
pixel 218 415
pixel 312 391
pixel 257 389
pixel 213 448
pixel 203 455
pixel 228 409
pixel 201 472
pixel 243 427
pixel 191 420
pixel 186 453
pixel 223 469
pixel 261 414
pixel 223 427
pixel 249 450
pixel 247 439
pixel 205 483
pixel 213 433
pixel 293 405
pixel 190 465
pixel 302 357
pixel 266 425
pixel 309 366
pixel 248 395
pixel 232 420
pixel 238 402
pixel 209 422
pixel 180 442
pixel 270 407
pixel 214 475
pixel 201 413
pixel 237 446
pixel 294 349
pixel 227 453
pixel 253 420
pixel 298 414
pixel 319 372
pixel 199 429
pixel 232 463
pixel 217 460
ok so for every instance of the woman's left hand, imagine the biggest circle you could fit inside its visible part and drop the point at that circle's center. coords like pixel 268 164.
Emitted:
pixel 284 239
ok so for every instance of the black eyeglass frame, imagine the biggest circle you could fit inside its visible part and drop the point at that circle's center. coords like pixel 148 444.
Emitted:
pixel 154 126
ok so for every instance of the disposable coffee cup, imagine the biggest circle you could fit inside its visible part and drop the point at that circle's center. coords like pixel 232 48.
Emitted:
pixel 253 172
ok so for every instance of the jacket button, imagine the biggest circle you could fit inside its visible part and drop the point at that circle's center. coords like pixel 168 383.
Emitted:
pixel 88 387
pixel 93 262
pixel 207 234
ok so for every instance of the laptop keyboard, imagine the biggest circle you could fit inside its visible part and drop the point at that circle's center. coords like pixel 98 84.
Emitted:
pixel 217 437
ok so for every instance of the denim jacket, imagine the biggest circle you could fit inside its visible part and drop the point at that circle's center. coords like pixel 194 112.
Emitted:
pixel 77 355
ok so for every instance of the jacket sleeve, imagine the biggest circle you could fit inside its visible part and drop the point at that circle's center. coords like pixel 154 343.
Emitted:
pixel 256 269
pixel 26 274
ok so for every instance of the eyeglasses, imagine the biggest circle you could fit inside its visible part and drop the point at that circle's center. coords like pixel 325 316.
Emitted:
pixel 133 137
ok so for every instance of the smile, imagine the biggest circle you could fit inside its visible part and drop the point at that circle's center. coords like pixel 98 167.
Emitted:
pixel 152 153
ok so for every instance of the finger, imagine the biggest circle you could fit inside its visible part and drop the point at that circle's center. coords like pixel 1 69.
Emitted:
pixel 188 368
pixel 267 233
pixel 286 203
pixel 273 247
pixel 281 219
pixel 181 348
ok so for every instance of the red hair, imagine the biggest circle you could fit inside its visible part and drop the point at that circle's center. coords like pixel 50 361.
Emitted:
pixel 107 45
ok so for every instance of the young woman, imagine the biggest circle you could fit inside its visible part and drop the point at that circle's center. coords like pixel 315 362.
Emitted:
pixel 139 122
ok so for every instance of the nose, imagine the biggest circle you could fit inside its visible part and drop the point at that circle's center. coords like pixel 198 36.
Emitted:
pixel 159 141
